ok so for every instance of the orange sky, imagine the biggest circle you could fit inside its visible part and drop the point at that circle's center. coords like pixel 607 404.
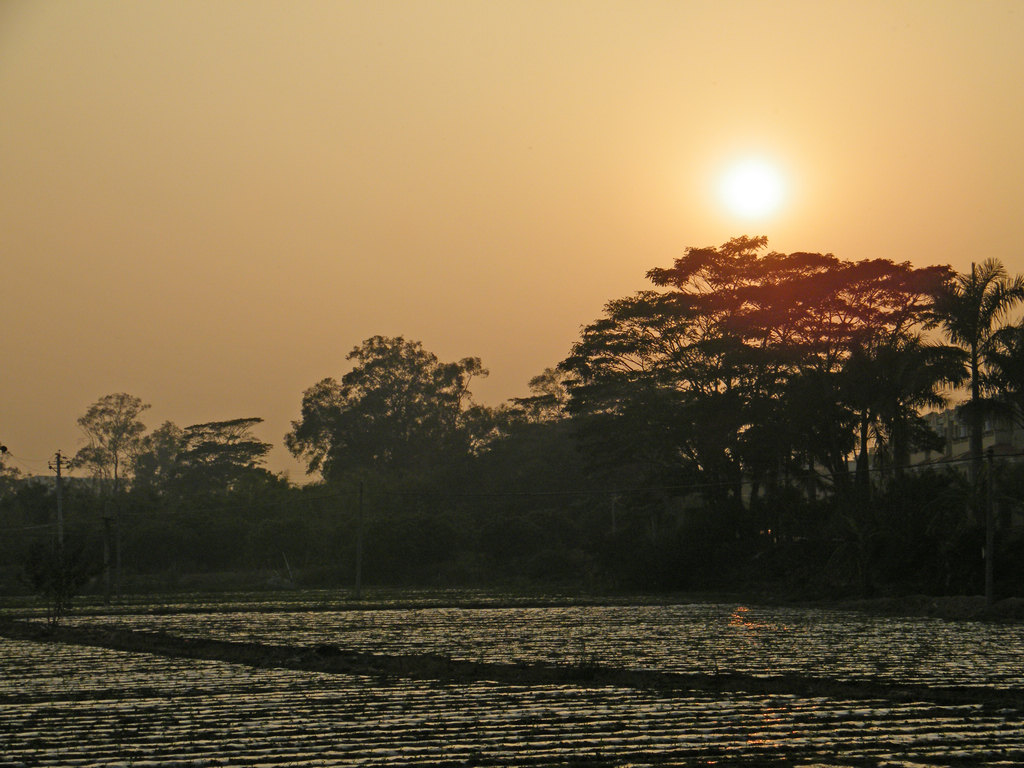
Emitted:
pixel 208 204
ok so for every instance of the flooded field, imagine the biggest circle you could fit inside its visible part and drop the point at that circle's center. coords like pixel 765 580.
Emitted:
pixel 675 638
pixel 64 705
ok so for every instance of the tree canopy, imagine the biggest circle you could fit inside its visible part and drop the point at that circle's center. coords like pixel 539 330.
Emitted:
pixel 114 431
pixel 399 409
pixel 741 364
pixel 748 415
pixel 971 308
pixel 219 456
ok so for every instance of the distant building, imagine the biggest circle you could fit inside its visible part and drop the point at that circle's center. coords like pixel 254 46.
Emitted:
pixel 1004 436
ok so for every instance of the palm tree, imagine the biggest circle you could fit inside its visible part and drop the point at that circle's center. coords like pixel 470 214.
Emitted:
pixel 860 384
pixel 913 373
pixel 886 383
pixel 1006 361
pixel 970 308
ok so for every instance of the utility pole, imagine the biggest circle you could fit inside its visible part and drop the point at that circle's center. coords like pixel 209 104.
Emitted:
pixel 117 545
pixel 990 533
pixel 359 547
pixel 106 552
pixel 60 505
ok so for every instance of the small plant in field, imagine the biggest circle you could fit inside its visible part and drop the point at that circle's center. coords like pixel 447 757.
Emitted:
pixel 57 576
pixel 584 660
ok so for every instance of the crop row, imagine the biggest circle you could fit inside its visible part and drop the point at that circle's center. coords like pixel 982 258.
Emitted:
pixel 73 706
pixel 679 638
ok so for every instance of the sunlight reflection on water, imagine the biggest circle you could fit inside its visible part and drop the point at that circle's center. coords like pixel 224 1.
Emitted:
pixel 675 638
pixel 98 707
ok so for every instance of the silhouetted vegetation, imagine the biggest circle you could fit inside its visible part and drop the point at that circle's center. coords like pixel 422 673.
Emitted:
pixel 747 423
pixel 58 573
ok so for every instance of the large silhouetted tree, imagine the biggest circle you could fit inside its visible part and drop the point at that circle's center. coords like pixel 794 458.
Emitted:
pixel 399 409
pixel 743 352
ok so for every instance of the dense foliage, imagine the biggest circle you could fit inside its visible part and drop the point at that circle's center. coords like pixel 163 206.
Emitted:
pixel 750 420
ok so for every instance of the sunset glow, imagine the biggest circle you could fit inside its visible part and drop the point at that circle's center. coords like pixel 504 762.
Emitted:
pixel 208 204
pixel 752 188
pixel 437 381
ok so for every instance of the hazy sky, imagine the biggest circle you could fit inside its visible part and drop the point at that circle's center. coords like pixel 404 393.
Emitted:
pixel 208 204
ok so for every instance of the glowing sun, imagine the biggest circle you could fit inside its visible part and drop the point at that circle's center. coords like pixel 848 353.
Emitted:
pixel 752 188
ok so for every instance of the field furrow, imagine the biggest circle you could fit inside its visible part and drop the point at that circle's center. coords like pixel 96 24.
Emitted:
pixel 696 638
pixel 112 708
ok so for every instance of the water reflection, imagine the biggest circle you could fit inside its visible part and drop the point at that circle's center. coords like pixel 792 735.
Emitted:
pixel 741 617
pixel 100 707
pixel 673 638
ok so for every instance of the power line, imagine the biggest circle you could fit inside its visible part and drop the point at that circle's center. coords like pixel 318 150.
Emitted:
pixel 25 458
pixel 294 503
pixel 28 527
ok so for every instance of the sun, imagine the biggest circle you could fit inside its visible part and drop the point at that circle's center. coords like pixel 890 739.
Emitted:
pixel 752 188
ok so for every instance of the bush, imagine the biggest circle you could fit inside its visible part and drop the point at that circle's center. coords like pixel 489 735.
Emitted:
pixel 58 576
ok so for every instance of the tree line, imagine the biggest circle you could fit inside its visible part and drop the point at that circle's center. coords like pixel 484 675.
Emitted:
pixel 749 419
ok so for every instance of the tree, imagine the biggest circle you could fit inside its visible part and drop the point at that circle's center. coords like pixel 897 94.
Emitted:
pixel 971 307
pixel 1006 369
pixel 548 398
pixel 57 575
pixel 156 462
pixel 886 382
pixel 114 431
pixel 738 347
pixel 8 474
pixel 633 371
pixel 220 456
pixel 913 375
pixel 399 409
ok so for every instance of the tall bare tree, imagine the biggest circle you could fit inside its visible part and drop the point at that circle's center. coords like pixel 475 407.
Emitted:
pixel 114 431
